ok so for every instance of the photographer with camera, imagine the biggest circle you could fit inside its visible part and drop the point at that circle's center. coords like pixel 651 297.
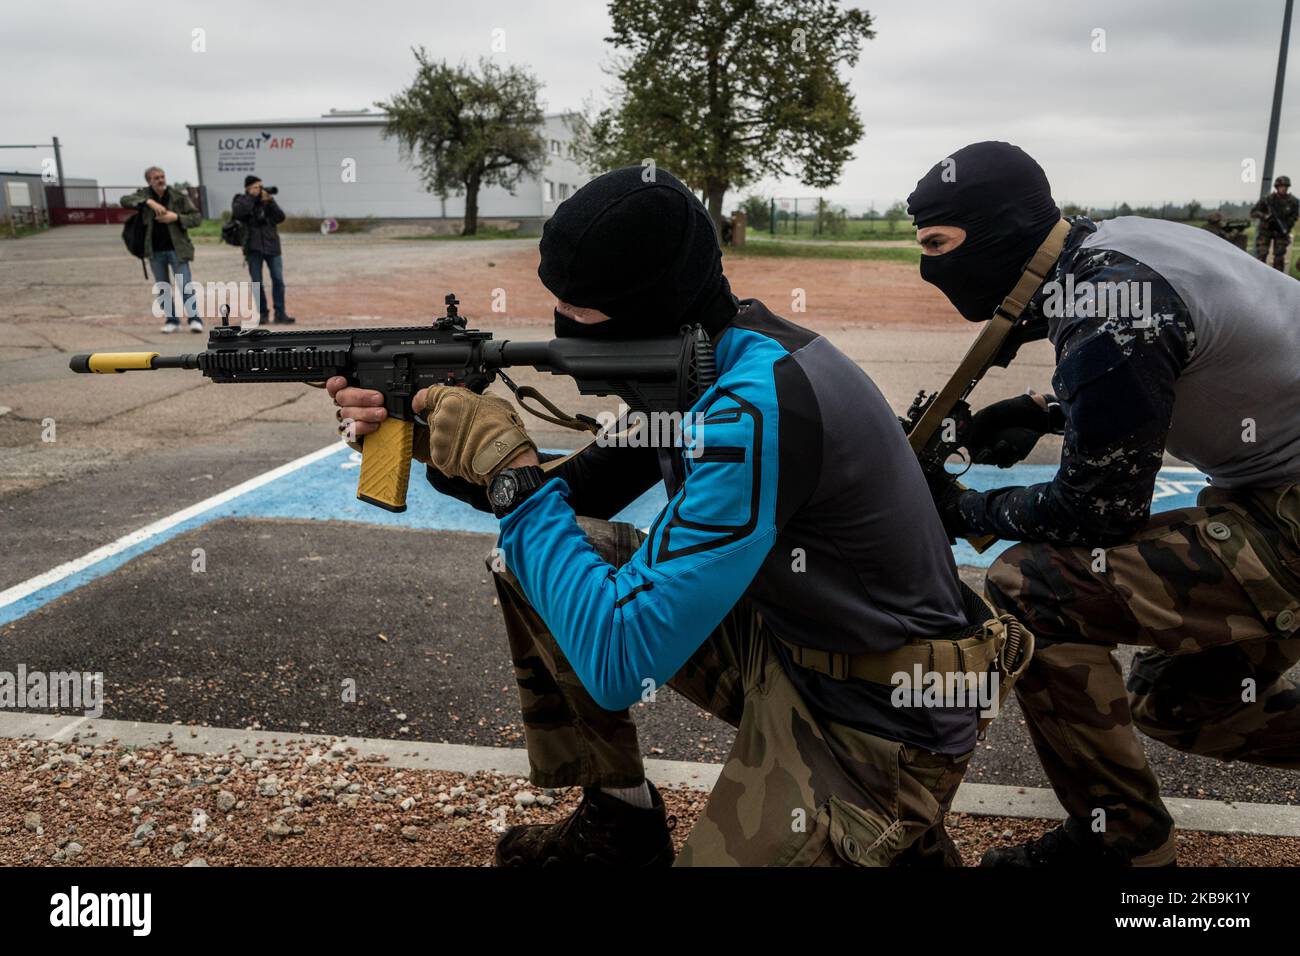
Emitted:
pixel 258 212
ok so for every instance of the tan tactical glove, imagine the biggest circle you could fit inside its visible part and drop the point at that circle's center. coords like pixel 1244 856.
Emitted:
pixel 472 436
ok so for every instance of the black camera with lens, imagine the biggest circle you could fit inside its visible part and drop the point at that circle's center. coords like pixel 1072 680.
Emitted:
pixel 271 190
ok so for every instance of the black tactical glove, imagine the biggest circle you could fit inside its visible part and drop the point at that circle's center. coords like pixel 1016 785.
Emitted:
pixel 1007 431
pixel 946 494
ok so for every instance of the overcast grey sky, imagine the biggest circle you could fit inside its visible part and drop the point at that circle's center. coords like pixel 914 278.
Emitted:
pixel 1178 100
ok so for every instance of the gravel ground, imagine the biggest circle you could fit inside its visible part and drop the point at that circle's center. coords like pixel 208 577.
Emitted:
pixel 96 803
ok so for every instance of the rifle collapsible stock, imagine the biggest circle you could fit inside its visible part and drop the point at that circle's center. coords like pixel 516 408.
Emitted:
pixel 650 375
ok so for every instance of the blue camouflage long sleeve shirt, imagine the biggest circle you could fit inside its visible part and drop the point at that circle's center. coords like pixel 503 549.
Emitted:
pixel 1122 337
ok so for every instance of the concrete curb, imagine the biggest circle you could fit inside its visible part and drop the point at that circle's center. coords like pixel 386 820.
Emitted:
pixel 981 799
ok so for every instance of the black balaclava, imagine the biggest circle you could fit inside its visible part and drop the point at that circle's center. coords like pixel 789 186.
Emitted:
pixel 1001 197
pixel 644 253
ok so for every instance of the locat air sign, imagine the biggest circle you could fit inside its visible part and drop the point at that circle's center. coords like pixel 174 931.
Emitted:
pixel 238 154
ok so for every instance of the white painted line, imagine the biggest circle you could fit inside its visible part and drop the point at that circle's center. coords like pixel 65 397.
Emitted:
pixel 979 799
pixel 54 575
pixel 66 732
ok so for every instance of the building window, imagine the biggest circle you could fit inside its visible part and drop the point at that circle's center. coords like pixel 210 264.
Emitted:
pixel 555 147
pixel 548 191
pixel 564 191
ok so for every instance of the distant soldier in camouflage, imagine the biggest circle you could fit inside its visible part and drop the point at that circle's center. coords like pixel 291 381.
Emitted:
pixel 798 565
pixel 1231 230
pixel 1277 213
pixel 1214 225
pixel 1163 342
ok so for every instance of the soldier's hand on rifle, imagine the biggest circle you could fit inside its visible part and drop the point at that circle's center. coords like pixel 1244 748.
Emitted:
pixel 943 487
pixel 471 436
pixel 1006 432
pixel 360 410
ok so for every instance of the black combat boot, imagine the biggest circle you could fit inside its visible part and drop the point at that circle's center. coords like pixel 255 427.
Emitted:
pixel 603 831
pixel 1071 844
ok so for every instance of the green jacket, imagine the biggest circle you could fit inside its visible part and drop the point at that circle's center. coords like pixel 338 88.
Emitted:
pixel 178 201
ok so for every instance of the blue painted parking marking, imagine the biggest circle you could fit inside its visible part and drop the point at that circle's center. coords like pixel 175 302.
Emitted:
pixel 322 487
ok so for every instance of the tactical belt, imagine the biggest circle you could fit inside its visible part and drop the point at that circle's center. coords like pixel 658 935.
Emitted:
pixel 999 642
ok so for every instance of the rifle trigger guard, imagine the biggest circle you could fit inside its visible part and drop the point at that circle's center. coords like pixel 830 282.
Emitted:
pixel 966 463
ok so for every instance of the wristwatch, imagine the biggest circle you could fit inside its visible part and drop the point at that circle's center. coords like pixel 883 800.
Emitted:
pixel 511 487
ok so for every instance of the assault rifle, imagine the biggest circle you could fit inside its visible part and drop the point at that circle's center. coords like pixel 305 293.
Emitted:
pixel 1271 216
pixel 665 374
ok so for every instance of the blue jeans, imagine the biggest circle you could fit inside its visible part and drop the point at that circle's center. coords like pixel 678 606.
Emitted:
pixel 276 266
pixel 159 263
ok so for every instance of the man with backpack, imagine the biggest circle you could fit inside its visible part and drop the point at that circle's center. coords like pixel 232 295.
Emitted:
pixel 166 216
pixel 256 210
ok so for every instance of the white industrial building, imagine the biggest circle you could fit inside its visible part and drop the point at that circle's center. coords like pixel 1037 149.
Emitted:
pixel 340 165
pixel 23 191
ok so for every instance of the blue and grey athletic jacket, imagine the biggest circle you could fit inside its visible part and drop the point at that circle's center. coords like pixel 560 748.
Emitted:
pixel 803 497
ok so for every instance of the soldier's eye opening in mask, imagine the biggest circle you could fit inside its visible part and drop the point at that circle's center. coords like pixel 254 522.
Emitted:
pixel 938 240
pixel 579 314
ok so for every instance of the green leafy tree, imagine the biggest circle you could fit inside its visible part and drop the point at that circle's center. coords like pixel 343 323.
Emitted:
pixel 894 213
pixel 758 211
pixel 465 129
pixel 726 92
pixel 830 220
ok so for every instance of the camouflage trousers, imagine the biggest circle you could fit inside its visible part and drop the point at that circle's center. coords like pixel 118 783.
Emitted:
pixel 795 790
pixel 1213 595
pixel 1280 246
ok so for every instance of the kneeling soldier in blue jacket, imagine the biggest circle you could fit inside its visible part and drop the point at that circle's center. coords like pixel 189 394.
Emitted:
pixel 798 564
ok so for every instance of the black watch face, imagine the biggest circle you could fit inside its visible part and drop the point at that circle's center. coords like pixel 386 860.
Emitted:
pixel 503 490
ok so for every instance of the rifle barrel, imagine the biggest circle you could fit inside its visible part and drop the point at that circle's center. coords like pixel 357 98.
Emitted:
pixel 110 362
